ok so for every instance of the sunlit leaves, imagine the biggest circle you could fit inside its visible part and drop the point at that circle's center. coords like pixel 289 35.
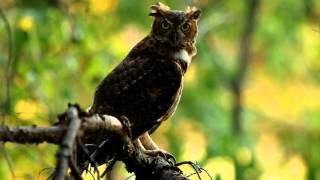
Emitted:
pixel 194 142
pixel 27 109
pixel 221 166
pixel 26 23
pixel 243 155
pixel 61 53
pixel 99 7
pixel 293 169
pixel 310 43
pixel 276 100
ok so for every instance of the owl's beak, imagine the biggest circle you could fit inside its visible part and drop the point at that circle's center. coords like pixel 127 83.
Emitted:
pixel 174 38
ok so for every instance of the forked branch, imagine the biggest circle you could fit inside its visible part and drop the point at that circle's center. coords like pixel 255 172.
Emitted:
pixel 77 124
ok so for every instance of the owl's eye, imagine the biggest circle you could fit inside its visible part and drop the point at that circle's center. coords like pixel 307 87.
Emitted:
pixel 165 25
pixel 185 27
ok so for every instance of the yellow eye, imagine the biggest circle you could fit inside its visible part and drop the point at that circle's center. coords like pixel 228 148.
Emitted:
pixel 165 25
pixel 185 27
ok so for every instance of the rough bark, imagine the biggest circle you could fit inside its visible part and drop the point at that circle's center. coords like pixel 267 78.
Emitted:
pixel 75 125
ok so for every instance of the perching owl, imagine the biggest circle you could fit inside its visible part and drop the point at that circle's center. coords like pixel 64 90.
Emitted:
pixel 146 86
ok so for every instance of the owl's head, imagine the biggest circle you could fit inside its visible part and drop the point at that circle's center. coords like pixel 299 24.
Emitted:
pixel 176 29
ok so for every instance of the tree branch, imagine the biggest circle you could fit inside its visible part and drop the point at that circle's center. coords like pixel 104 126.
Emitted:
pixel 54 134
pixel 66 146
pixel 31 134
pixel 76 123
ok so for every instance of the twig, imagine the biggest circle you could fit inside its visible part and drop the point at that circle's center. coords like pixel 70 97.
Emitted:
pixel 43 170
pixel 209 175
pixel 87 127
pixel 69 139
pixel 90 159
pixel 193 165
pixel 74 170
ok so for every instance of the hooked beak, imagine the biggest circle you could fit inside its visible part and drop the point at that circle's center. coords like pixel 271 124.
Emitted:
pixel 174 38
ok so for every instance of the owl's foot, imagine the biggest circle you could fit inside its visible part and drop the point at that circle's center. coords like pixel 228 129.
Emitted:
pixel 160 152
pixel 126 125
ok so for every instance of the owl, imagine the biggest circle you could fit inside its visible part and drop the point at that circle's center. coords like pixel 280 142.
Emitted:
pixel 146 86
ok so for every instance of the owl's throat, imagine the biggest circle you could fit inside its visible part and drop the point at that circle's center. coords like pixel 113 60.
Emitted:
pixel 183 56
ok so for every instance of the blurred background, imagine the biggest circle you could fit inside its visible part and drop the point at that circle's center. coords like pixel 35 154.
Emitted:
pixel 251 102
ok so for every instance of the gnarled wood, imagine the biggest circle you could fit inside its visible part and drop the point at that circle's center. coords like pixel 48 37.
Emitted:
pixel 77 124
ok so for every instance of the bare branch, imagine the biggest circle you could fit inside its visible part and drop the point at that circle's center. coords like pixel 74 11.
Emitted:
pixel 31 134
pixel 35 134
pixel 65 150
pixel 73 125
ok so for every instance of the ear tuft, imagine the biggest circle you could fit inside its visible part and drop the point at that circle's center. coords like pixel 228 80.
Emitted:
pixel 193 12
pixel 158 9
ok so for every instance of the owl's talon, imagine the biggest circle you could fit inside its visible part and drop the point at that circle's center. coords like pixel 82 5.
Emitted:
pixel 126 125
pixel 170 158
pixel 164 154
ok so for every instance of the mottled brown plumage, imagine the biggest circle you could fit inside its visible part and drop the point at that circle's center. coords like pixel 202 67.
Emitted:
pixel 146 86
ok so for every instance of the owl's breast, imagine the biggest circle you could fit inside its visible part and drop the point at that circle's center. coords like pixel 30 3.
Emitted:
pixel 155 97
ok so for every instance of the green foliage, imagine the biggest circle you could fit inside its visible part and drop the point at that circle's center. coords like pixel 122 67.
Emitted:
pixel 62 52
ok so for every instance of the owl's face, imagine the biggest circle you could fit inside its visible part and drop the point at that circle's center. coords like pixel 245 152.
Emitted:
pixel 174 28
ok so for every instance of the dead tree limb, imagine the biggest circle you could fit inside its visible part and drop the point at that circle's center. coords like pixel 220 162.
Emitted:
pixel 76 124
pixel 31 134
pixel 65 151
pixel 54 134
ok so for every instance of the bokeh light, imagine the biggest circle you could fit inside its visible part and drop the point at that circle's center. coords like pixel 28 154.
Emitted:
pixel 63 49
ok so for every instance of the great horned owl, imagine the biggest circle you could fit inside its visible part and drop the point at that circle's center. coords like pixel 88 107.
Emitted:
pixel 146 86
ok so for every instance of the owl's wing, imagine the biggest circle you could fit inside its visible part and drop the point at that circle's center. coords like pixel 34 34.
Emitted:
pixel 144 89
pixel 119 82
